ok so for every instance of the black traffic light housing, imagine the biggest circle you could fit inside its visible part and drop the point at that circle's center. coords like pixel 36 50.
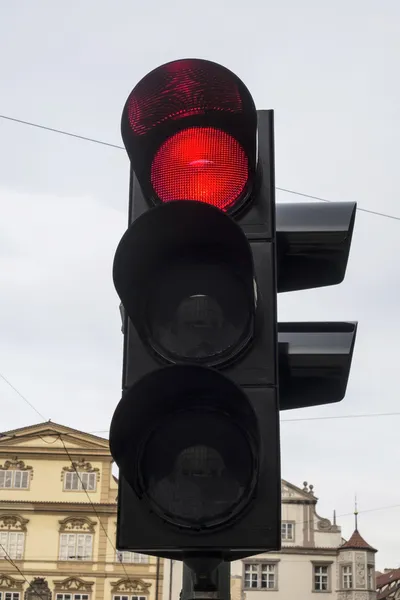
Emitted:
pixel 187 245
pixel 198 272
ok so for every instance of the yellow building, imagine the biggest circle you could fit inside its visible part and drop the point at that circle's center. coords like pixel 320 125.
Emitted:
pixel 58 517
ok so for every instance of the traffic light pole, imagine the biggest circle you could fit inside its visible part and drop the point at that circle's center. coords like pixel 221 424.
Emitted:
pixel 208 584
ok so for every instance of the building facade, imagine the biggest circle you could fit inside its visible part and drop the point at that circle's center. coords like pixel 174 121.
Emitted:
pixel 58 517
pixel 314 560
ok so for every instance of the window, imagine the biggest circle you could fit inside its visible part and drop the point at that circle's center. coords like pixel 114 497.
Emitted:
pixel 129 597
pixel 347 577
pixel 260 576
pixel 370 577
pixel 71 597
pixel 76 546
pixel 321 578
pixel 14 479
pixel 78 481
pixel 287 531
pixel 12 545
pixel 132 557
pixel 9 596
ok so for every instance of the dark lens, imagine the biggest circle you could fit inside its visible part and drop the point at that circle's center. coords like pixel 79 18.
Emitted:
pixel 201 314
pixel 198 468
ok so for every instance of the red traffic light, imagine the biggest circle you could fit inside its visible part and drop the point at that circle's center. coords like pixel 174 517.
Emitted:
pixel 189 128
pixel 200 163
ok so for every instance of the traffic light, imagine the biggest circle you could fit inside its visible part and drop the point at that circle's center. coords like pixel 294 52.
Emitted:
pixel 196 433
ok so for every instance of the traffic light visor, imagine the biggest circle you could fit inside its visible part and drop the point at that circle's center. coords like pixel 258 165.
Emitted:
pixel 189 128
pixel 186 440
pixel 184 273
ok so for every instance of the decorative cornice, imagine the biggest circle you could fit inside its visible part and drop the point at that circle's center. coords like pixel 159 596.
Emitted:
pixel 72 524
pixel 80 465
pixel 12 523
pixel 73 583
pixel 38 588
pixel 130 585
pixel 331 551
pixel 15 463
pixel 7 582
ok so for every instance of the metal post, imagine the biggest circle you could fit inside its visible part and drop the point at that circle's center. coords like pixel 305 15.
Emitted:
pixel 213 584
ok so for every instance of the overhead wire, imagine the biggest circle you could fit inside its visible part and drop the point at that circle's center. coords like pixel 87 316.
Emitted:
pixel 23 397
pixel 115 553
pixel 94 508
pixel 322 418
pixel 119 147
pixel 294 420
pixel 77 473
pixel 11 561
pixel 305 419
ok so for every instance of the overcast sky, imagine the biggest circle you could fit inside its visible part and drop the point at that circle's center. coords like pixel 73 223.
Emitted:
pixel 330 72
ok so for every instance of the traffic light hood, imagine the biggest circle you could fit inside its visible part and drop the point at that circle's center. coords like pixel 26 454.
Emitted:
pixel 184 273
pixel 187 430
pixel 189 128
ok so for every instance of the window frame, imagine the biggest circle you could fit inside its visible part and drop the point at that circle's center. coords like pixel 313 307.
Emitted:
pixel 6 545
pixel 259 564
pixel 10 595
pixel 24 474
pixel 371 577
pixel 76 534
pixel 124 596
pixel 72 595
pixel 80 475
pixel 346 576
pixel 145 561
pixel 292 524
pixel 322 564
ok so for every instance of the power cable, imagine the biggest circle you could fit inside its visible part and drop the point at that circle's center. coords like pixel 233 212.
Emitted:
pixel 366 210
pixel 60 131
pixel 117 146
pixel 283 420
pixel 11 561
pixel 23 397
pixel 359 416
pixel 77 473
pixel 94 508
pixel 329 417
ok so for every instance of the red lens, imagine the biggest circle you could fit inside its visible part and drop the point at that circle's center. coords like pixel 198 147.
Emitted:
pixel 200 163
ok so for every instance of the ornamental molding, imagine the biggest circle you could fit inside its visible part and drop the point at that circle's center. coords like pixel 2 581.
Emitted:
pixel 12 523
pixel 72 524
pixel 80 465
pixel 345 556
pixel 7 582
pixel 15 464
pixel 326 525
pixel 73 583
pixel 130 585
pixel 38 588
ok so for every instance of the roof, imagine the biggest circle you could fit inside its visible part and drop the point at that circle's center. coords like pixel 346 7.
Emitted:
pixel 356 542
pixel 388 592
pixel 52 425
pixel 388 577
